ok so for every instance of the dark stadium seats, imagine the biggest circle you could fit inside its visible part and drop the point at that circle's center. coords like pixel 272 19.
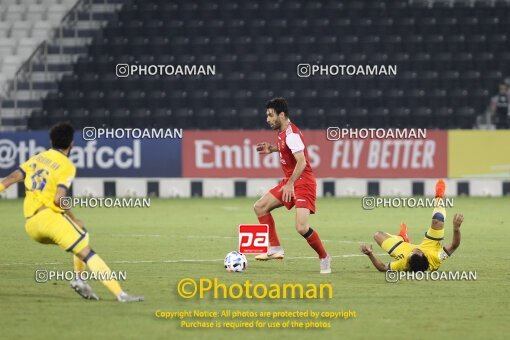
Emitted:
pixel 380 117
pixel 422 118
pixel 162 118
pixel 399 117
pixel 336 116
pixel 443 118
pixel 314 118
pixel 465 117
pixel 449 55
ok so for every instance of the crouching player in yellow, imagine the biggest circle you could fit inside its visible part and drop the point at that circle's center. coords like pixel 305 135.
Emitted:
pixel 429 254
pixel 47 177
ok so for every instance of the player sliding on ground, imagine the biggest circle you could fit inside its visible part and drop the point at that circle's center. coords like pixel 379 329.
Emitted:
pixel 47 177
pixel 297 189
pixel 430 253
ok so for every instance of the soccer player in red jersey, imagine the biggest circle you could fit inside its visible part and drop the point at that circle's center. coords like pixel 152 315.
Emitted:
pixel 297 189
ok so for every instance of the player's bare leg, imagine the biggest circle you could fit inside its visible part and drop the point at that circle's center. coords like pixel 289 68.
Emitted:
pixel 96 264
pixel 381 236
pixel 388 242
pixel 313 239
pixel 79 285
pixel 263 208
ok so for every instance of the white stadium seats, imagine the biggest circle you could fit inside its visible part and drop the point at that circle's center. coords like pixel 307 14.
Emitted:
pixel 21 29
pixel 7 46
pixel 36 12
pixel 41 30
pixel 5 28
pixel 24 24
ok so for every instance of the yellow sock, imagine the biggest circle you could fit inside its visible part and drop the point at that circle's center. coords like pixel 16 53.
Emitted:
pixel 398 237
pixel 79 265
pixel 439 212
pixel 96 264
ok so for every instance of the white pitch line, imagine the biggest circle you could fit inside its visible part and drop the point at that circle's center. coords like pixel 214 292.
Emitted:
pixel 342 241
pixel 334 256
pixel 30 264
pixel 175 261
pixel 135 235
pixel 284 239
pixel 227 237
pixel 211 236
pixel 230 208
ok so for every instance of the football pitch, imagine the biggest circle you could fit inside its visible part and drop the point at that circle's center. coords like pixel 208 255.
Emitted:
pixel 188 238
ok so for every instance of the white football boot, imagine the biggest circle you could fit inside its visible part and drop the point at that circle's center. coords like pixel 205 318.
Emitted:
pixel 274 253
pixel 326 265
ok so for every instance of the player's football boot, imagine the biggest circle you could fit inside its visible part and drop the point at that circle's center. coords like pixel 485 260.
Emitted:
pixel 83 288
pixel 124 297
pixel 403 232
pixel 277 255
pixel 326 265
pixel 440 188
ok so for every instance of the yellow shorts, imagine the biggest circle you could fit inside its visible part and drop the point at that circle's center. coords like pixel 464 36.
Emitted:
pixel 433 240
pixel 399 249
pixel 50 227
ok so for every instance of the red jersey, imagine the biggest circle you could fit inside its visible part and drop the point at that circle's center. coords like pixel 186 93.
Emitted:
pixel 290 141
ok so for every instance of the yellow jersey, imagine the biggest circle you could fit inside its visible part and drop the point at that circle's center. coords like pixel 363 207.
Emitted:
pixel 431 246
pixel 44 173
pixel 435 257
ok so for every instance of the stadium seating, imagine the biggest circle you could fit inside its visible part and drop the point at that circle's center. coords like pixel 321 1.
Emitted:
pixel 23 25
pixel 450 56
pixel 29 69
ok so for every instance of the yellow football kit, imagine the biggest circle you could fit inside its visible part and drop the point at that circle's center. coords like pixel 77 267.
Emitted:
pixel 431 245
pixel 44 173
pixel 47 223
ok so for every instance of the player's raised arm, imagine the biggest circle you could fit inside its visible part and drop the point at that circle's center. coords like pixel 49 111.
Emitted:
pixel 266 148
pixel 457 222
pixel 378 264
pixel 14 177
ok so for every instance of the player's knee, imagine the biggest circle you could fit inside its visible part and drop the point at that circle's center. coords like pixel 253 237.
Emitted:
pixel 301 228
pixel 258 208
pixel 84 253
pixel 378 236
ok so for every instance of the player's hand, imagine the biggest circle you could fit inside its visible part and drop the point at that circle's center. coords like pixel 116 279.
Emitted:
pixel 264 148
pixel 457 220
pixel 366 249
pixel 288 192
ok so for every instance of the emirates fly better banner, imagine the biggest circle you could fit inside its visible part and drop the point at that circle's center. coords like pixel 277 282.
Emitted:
pixel 225 154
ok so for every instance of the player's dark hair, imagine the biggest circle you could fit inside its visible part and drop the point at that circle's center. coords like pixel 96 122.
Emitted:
pixel 418 263
pixel 279 104
pixel 61 135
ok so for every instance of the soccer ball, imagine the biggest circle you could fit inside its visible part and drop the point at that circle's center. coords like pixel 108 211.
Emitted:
pixel 235 262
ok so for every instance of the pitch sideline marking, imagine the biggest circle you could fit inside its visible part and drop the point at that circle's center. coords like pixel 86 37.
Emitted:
pixel 285 239
pixel 227 237
pixel 177 261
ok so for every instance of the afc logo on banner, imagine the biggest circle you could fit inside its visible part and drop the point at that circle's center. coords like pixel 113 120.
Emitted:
pixel 253 238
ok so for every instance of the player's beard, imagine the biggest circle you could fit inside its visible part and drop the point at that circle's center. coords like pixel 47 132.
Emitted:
pixel 276 125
